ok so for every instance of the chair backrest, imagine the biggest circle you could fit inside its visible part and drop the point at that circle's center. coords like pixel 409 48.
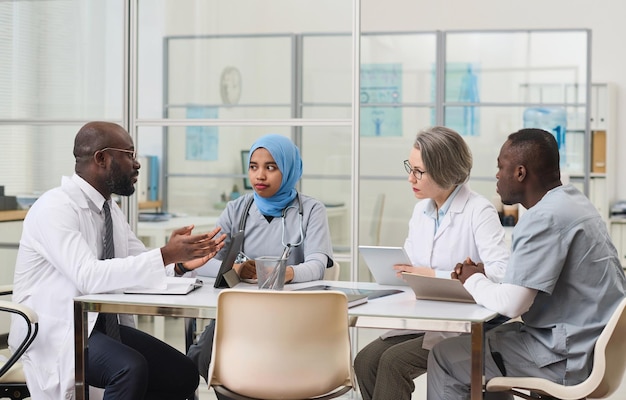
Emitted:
pixel 377 219
pixel 609 359
pixel 12 379
pixel 281 344
pixel 609 365
pixel 332 273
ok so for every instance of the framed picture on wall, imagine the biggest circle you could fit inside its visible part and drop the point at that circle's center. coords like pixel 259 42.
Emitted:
pixel 244 168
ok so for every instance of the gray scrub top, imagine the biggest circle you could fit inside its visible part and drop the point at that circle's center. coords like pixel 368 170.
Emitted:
pixel 562 248
pixel 263 238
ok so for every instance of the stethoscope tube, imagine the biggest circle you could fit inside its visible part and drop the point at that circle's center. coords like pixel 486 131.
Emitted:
pixel 287 246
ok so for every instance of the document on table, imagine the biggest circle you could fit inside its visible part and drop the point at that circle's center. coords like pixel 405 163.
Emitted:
pixel 173 285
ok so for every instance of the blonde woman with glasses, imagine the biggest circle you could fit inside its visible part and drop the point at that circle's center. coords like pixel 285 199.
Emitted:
pixel 450 224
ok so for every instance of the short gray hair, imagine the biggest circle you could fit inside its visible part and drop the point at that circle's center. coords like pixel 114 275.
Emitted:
pixel 446 156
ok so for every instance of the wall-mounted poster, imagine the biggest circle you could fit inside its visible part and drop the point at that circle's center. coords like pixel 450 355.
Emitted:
pixel 463 86
pixel 201 141
pixel 381 84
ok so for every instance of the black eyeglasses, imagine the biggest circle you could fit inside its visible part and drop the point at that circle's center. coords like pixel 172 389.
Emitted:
pixel 410 170
pixel 132 153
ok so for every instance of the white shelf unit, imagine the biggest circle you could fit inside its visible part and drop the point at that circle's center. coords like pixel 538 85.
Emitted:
pixel 602 172
pixel 602 184
pixel 618 234
pixel 599 149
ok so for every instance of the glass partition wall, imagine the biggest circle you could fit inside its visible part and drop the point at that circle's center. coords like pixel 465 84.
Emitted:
pixel 55 75
pixel 227 80
pixel 196 82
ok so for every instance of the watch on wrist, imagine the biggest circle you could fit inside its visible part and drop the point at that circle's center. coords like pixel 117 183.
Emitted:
pixel 182 268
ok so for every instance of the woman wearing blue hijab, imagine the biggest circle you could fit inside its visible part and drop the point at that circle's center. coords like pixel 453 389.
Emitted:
pixel 274 216
pixel 287 158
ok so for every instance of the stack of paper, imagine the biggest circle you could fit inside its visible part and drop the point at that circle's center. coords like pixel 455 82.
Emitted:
pixel 173 285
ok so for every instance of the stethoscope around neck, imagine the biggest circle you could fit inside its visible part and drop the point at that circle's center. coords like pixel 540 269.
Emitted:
pixel 241 257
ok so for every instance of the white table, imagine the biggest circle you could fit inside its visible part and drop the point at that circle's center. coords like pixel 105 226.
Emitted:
pixel 157 233
pixel 398 311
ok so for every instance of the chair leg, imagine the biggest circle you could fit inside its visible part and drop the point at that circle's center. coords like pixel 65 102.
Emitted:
pixel 531 396
pixel 524 396
pixel 16 391
pixel 542 396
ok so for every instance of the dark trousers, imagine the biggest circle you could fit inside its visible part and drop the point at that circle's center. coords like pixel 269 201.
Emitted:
pixel 139 367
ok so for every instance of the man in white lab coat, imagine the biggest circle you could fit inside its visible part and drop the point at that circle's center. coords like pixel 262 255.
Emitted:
pixel 62 255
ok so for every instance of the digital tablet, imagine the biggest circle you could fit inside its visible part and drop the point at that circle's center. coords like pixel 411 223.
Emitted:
pixel 431 288
pixel 380 261
pixel 370 293
pixel 227 277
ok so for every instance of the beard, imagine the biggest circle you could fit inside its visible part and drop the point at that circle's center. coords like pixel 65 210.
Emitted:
pixel 118 182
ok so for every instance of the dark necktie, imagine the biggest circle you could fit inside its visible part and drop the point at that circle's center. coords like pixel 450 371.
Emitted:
pixel 111 325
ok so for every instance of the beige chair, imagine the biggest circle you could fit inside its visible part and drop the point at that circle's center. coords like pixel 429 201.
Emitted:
pixel 193 324
pixel 12 379
pixel 281 345
pixel 609 364
pixel 332 273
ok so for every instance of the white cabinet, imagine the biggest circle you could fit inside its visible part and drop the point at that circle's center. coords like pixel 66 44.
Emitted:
pixel 602 147
pixel 601 101
pixel 589 157
pixel 618 234
pixel 603 139
pixel 598 195
pixel 10 233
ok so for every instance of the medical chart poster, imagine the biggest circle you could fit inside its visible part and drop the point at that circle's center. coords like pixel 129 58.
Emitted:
pixel 381 84
pixel 201 141
pixel 463 86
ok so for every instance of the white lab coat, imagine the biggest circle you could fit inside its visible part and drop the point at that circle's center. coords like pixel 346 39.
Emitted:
pixel 470 228
pixel 58 260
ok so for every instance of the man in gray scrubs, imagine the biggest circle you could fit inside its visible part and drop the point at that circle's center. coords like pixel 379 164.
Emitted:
pixel 564 279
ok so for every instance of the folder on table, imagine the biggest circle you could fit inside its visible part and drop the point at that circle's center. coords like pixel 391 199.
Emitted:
pixel 173 285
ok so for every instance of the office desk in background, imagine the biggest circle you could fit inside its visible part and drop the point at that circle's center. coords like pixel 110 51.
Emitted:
pixel 398 311
pixel 156 233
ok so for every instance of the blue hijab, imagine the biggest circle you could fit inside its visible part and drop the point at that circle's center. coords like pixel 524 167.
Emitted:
pixel 287 157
